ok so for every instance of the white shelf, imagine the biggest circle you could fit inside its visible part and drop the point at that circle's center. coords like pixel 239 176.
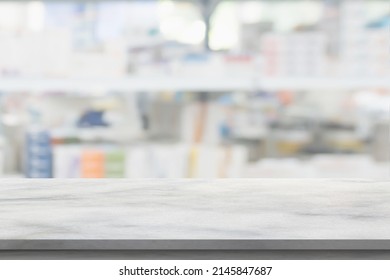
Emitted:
pixel 209 84
pixel 324 83
pixel 129 84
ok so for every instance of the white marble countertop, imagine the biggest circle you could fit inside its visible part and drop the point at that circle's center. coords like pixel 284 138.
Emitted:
pixel 248 209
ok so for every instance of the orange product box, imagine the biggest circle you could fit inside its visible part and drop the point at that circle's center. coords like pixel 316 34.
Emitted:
pixel 92 164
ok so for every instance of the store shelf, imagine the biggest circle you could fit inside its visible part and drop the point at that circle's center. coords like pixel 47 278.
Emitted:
pixel 129 84
pixel 355 83
pixel 210 84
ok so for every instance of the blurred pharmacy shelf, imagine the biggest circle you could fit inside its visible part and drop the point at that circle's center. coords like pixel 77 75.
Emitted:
pixel 197 84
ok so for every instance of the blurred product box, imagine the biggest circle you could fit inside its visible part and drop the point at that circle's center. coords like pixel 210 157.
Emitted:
pixel 35 54
pixel 240 65
pixel 301 54
pixel 98 65
pixel 199 64
pixel 114 165
pixel 92 163
pixel 38 155
pixel 67 161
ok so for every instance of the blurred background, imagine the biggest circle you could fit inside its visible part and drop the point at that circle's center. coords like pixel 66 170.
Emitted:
pixel 195 89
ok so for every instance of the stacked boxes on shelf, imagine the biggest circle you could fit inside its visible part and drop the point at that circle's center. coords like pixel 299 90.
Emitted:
pixel 297 54
pixel 364 50
pixel 353 40
pixel 149 161
pixel 378 62
pixel 77 161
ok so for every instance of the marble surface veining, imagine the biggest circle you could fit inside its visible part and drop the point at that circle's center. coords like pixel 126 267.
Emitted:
pixel 194 209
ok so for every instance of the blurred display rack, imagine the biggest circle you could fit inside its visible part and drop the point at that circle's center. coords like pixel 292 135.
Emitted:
pixel 185 83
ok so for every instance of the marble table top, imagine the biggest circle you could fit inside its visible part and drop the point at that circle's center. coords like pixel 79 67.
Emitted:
pixel 184 209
